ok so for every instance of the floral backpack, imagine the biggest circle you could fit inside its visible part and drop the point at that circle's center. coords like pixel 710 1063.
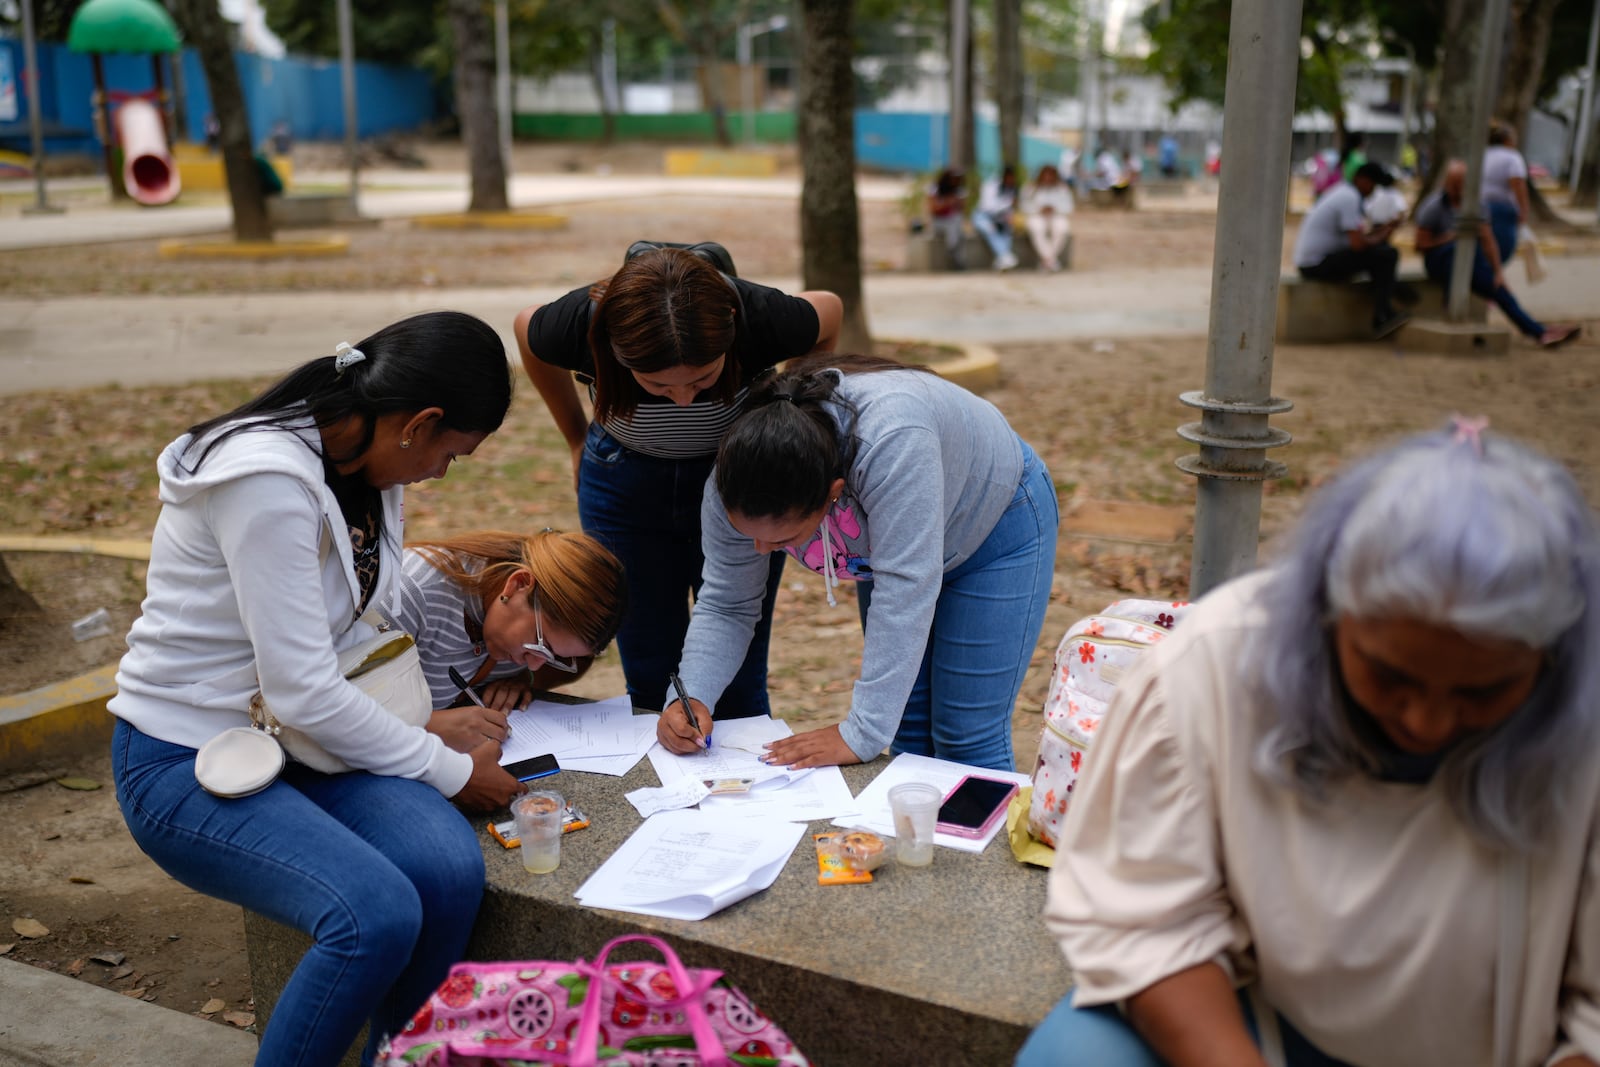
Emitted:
pixel 1091 659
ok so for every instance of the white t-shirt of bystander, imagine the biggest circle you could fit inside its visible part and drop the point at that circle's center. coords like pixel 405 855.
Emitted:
pixel 1502 163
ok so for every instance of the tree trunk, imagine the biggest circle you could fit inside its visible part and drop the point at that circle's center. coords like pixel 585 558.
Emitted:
pixel 207 31
pixel 963 136
pixel 830 219
pixel 608 120
pixel 480 118
pixel 1588 181
pixel 1530 43
pixel 15 601
pixel 711 85
pixel 1008 77
pixel 1459 37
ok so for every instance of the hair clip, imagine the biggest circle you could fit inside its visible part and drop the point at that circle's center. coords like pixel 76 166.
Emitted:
pixel 1469 430
pixel 345 356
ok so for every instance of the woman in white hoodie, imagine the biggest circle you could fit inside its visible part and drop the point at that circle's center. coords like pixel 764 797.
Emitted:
pixel 280 528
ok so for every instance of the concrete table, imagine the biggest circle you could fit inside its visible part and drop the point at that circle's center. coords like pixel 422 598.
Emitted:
pixel 948 964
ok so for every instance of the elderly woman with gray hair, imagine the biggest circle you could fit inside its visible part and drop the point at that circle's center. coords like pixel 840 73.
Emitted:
pixel 1349 812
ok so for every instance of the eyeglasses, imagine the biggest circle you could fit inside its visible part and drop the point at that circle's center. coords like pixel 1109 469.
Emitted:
pixel 538 647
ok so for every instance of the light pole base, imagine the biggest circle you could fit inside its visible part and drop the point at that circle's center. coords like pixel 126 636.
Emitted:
pixel 1441 338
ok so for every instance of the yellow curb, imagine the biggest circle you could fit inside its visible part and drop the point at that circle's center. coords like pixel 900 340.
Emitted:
pixel 977 369
pixel 69 714
pixel 491 220
pixel 89 546
pixel 298 248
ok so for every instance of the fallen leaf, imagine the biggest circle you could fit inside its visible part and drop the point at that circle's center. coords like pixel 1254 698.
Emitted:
pixel 241 1019
pixel 52 837
pixel 121 972
pixel 75 968
pixel 29 928
pixel 212 1006
pixel 109 958
pixel 82 784
pixel 4 949
pixel 135 993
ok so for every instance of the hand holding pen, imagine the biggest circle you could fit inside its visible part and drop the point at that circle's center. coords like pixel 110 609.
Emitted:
pixel 465 728
pixel 677 740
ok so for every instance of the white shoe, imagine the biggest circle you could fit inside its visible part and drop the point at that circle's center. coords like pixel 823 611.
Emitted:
pixel 1006 262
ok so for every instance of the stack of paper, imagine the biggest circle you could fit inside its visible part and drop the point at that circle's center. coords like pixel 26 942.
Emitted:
pixel 604 737
pixel 690 864
pixel 776 792
pixel 872 806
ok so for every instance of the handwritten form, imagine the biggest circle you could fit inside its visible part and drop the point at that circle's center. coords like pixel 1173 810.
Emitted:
pixel 604 737
pixel 735 752
pixel 691 864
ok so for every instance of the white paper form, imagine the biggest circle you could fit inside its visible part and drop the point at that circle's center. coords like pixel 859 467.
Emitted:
pixel 735 752
pixel 820 795
pixel 603 728
pixel 690 864
pixel 873 803
pixel 617 766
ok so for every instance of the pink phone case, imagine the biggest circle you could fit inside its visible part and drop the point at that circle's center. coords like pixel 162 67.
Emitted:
pixel 995 816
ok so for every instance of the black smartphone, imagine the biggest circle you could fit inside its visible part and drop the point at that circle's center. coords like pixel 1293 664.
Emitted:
pixel 972 807
pixel 526 770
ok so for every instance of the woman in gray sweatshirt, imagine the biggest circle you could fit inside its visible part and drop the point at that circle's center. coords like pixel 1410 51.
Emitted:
pixel 870 471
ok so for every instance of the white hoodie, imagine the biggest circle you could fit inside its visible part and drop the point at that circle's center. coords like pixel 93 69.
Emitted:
pixel 252 585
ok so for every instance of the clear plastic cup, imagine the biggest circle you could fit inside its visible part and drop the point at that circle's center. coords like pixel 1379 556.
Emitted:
pixel 539 815
pixel 915 806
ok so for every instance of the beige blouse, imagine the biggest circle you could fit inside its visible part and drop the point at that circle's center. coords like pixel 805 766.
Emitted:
pixel 1371 920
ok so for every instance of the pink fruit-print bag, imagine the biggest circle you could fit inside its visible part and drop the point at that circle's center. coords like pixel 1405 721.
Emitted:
pixel 583 1014
pixel 1090 661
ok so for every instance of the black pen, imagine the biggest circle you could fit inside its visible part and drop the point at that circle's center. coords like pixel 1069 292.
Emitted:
pixel 456 677
pixel 683 698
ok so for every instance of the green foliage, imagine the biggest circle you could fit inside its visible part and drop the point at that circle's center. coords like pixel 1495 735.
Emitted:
pixel 1569 43
pixel 383 31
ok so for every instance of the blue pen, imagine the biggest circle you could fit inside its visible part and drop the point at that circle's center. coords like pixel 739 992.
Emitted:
pixel 683 698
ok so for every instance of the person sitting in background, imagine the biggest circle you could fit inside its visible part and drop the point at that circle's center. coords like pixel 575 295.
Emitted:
pixel 1108 172
pixel 1167 156
pixel 997 200
pixel 947 206
pixel 1335 244
pixel 1046 205
pixel 1436 240
pixel 513 613
pixel 1349 811
pixel 1505 189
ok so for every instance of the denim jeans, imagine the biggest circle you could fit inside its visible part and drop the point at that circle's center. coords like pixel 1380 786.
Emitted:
pixel 985 626
pixel 382 872
pixel 996 233
pixel 1504 222
pixel 1439 262
pixel 647 510
pixel 1101 1037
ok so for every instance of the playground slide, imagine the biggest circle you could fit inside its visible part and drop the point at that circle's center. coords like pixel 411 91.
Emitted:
pixel 148 171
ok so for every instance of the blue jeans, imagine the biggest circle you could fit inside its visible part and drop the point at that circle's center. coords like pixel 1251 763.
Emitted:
pixel 985 627
pixel 996 232
pixel 1440 261
pixel 382 872
pixel 647 511
pixel 1504 223
pixel 1101 1037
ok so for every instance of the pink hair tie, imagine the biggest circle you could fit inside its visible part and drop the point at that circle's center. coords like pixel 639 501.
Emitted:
pixel 1469 430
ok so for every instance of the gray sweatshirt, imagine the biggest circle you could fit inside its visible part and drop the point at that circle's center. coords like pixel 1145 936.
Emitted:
pixel 927 450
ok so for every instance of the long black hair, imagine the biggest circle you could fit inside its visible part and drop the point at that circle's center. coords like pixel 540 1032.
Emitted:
pixel 781 456
pixel 444 359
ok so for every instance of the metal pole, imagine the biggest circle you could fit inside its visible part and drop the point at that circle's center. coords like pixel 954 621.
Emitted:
pixel 608 66
pixel 347 77
pixel 1470 214
pixel 42 205
pixel 1233 434
pixel 1586 101
pixel 747 86
pixel 1408 101
pixel 502 79
pixel 1088 60
pixel 960 107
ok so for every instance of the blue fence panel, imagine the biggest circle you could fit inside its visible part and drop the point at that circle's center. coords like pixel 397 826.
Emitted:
pixel 917 142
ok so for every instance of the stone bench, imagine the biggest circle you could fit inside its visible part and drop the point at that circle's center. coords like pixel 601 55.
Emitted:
pixel 1112 199
pixel 926 253
pixel 1315 312
pixel 952 960
pixel 1171 188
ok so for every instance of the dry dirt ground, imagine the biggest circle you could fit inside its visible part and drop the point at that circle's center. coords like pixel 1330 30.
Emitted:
pixel 1102 416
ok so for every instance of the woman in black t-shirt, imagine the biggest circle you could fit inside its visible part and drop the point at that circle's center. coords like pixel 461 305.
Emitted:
pixel 669 346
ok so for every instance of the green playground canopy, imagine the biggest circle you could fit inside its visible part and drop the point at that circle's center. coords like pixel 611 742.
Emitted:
pixel 123 26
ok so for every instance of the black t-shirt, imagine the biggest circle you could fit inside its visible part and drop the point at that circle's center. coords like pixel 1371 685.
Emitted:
pixel 770 327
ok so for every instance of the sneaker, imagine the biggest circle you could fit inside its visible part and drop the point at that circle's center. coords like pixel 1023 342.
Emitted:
pixel 1005 262
pixel 1382 328
pixel 1556 336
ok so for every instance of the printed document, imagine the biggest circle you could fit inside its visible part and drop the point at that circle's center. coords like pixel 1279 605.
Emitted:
pixel 689 864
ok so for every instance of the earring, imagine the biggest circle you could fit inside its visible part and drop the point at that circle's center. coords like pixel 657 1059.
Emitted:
pixel 406 443
pixel 505 599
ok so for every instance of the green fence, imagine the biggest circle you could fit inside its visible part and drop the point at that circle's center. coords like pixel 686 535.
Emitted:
pixel 771 126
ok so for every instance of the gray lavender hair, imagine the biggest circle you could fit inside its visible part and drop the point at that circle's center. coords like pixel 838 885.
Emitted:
pixel 1468 531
